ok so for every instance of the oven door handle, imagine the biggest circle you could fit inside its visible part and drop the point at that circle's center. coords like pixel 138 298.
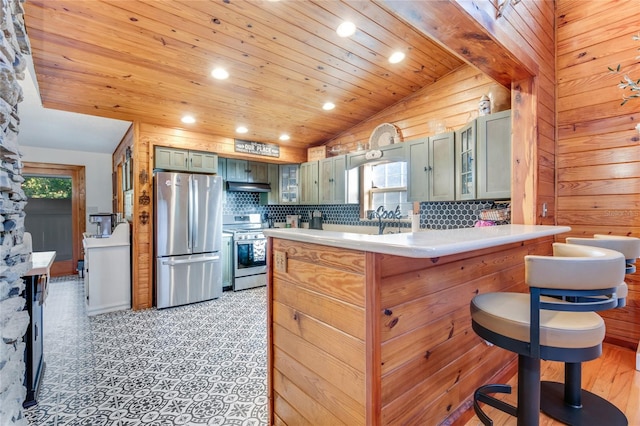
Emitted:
pixel 239 242
pixel 198 260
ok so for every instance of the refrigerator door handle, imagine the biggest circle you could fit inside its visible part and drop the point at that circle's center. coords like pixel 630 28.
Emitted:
pixel 194 215
pixel 190 216
pixel 198 260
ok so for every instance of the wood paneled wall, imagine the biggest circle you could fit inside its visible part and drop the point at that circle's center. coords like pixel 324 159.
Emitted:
pixel 598 149
pixel 450 102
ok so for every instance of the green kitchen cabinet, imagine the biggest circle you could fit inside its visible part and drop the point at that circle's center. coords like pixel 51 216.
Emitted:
pixel 466 162
pixel 431 168
pixel 176 159
pixel 494 156
pixel 336 184
pixel 309 183
pixel 247 171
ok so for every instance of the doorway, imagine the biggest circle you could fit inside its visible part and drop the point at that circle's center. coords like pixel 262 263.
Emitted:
pixel 56 212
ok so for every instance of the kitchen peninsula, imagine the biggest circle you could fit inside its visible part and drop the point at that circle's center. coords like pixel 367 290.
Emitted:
pixel 375 329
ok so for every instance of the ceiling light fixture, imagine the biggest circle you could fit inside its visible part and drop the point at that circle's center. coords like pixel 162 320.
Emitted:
pixel 328 106
pixel 188 119
pixel 346 29
pixel 242 129
pixel 220 74
pixel 396 57
pixel 284 137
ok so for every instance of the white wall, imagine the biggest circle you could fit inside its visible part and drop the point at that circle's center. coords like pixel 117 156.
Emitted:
pixel 97 174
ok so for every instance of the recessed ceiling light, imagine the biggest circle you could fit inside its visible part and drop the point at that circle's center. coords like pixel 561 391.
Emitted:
pixel 242 129
pixel 346 29
pixel 396 57
pixel 284 137
pixel 220 74
pixel 328 106
pixel 188 119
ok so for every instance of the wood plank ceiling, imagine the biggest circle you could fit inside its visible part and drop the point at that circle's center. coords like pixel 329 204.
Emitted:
pixel 151 61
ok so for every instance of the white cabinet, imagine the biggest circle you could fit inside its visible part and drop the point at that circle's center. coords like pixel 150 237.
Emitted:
pixel 466 162
pixel 337 185
pixel 431 168
pixel 494 156
pixel 107 274
pixel 184 160
pixel 227 261
pixel 309 183
pixel 246 171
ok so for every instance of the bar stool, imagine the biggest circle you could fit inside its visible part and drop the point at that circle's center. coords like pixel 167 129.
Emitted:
pixel 539 325
pixel 568 402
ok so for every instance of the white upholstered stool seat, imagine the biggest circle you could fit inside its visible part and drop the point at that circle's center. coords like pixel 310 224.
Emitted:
pixel 508 314
pixel 568 402
pixel 556 320
pixel 628 246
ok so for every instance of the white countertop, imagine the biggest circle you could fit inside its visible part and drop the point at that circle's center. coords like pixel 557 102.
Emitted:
pixel 41 262
pixel 119 237
pixel 421 244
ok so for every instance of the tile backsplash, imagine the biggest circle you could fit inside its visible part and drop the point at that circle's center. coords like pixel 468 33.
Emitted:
pixel 433 215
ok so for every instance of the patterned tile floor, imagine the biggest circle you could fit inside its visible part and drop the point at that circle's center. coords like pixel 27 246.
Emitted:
pixel 201 364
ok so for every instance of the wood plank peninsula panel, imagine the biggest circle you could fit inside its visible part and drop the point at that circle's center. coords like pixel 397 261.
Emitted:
pixel 363 338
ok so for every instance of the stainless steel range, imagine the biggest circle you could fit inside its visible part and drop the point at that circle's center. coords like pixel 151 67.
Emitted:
pixel 249 250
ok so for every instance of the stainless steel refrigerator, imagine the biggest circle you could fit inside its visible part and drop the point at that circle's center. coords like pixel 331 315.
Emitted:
pixel 188 238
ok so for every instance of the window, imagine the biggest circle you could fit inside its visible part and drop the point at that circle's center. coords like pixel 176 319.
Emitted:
pixel 47 187
pixel 386 185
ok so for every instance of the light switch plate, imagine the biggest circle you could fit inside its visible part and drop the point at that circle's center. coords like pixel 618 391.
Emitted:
pixel 280 261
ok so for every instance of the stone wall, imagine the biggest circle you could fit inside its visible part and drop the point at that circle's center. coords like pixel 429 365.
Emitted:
pixel 14 255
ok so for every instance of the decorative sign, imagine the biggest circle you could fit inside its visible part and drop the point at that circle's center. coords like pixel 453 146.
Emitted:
pixel 257 148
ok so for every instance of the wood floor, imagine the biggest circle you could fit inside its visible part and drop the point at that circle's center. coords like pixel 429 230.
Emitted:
pixel 612 376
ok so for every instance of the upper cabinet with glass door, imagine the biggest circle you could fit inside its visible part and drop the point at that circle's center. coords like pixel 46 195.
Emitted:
pixel 289 184
pixel 465 162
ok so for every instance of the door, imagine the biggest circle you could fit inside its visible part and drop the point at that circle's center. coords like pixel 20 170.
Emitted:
pixel 188 279
pixel 494 156
pixel 173 232
pixel 64 265
pixel 465 162
pixel 237 170
pixel 206 213
pixel 418 166
pixel 326 189
pixel 442 167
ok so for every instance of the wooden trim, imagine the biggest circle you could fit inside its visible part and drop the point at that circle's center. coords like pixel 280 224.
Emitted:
pixel 373 355
pixel 524 164
pixel 270 361
pixel 78 208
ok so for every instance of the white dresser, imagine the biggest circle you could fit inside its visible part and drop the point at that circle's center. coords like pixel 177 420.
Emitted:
pixel 107 271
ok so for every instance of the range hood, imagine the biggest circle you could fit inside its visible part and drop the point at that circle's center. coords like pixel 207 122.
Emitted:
pixel 248 187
